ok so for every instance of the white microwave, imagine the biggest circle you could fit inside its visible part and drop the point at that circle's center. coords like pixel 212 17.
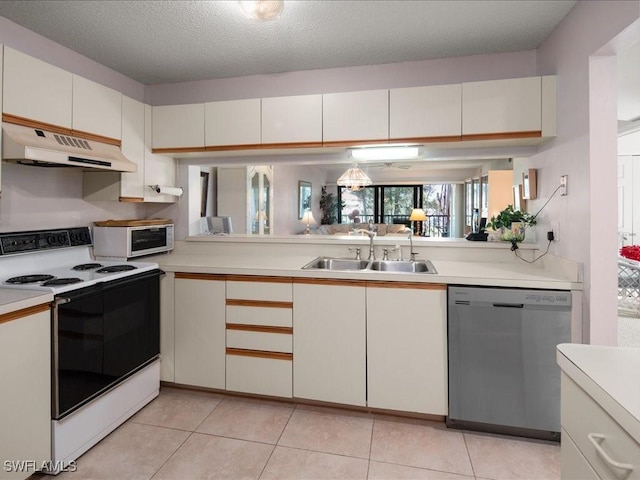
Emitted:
pixel 122 243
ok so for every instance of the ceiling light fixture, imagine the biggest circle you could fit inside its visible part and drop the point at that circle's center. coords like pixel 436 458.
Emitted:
pixel 354 179
pixel 398 152
pixel 261 9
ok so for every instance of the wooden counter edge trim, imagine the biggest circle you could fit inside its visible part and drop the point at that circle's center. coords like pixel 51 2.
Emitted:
pixel 330 281
pixel 237 302
pixel 259 354
pixel 131 199
pixel 200 276
pixel 27 122
pixel 260 328
pixel 501 135
pixel 409 285
pixel 24 312
pixel 258 278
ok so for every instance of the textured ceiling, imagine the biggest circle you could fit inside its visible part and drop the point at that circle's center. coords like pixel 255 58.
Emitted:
pixel 174 41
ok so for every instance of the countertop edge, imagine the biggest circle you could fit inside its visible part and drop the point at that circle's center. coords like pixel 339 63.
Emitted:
pixel 21 299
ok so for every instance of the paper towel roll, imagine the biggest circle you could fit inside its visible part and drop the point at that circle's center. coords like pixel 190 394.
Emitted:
pixel 165 190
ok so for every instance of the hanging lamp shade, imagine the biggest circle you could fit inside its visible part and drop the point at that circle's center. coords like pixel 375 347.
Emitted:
pixel 354 179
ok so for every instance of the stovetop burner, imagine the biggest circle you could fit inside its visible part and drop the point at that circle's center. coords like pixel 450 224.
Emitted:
pixel 87 266
pixel 29 279
pixel 116 268
pixel 61 281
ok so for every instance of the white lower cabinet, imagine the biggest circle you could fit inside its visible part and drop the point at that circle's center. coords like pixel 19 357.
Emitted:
pixel 199 330
pixel 407 347
pixel 25 402
pixel 259 336
pixel 329 351
pixel 605 449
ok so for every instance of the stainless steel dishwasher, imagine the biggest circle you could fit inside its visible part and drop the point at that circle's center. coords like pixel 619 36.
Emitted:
pixel 503 375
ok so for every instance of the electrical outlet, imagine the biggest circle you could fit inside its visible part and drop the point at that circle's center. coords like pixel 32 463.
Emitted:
pixel 555 228
pixel 563 183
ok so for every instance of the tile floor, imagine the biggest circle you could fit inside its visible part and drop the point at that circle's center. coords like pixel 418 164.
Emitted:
pixel 194 435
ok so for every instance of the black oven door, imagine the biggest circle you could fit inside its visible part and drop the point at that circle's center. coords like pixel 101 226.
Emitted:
pixel 103 334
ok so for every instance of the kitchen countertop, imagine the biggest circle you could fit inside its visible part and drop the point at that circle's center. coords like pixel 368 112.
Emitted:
pixel 610 375
pixel 13 299
pixel 448 271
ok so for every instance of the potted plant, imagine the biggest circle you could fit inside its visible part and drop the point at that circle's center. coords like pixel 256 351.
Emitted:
pixel 511 223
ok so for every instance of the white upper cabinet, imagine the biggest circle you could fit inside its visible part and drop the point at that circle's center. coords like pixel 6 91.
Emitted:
pixel 419 112
pixel 133 147
pixel 178 126
pixel 36 90
pixel 233 122
pixel 354 116
pixel 158 169
pixel 96 109
pixel 549 106
pixel 295 119
pixel 502 106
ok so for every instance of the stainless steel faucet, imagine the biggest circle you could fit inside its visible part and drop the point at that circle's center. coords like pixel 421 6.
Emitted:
pixel 371 233
pixel 412 254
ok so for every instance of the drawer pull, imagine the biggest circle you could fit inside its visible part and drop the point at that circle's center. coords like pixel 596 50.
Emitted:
pixel 596 439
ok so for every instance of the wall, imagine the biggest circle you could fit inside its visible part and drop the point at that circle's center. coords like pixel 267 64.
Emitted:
pixel 585 150
pixel 39 198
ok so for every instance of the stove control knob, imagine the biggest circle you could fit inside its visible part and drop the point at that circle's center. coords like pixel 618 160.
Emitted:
pixel 51 240
pixel 61 239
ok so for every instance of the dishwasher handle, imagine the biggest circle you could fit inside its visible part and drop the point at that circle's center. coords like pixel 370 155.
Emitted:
pixel 509 305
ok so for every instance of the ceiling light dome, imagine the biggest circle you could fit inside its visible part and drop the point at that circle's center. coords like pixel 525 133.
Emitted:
pixel 261 9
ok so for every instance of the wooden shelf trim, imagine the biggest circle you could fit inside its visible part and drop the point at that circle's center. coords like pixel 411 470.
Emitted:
pixel 27 122
pixel 164 150
pixel 260 354
pixel 131 199
pixel 260 328
pixel 200 276
pixel 502 136
pixel 24 312
pixel 258 303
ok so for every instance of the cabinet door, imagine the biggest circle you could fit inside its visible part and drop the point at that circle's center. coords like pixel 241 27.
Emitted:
pixel 295 119
pixel 200 331
pixel 133 147
pixel 502 106
pixel 96 109
pixel 406 348
pixel 36 90
pixel 178 126
pixel 25 373
pixel 167 327
pixel 158 169
pixel 420 112
pixel 355 116
pixel 233 122
pixel 329 342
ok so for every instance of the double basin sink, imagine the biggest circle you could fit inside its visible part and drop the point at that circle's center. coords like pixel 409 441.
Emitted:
pixel 389 266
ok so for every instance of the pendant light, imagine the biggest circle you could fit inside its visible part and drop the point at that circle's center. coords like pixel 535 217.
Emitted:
pixel 261 10
pixel 354 179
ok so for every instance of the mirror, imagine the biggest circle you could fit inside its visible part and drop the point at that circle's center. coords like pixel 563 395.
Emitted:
pixel 304 197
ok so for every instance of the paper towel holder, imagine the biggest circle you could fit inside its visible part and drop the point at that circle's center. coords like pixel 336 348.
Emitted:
pixel 166 190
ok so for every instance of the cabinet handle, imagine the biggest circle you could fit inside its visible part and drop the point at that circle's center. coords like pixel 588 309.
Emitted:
pixel 596 439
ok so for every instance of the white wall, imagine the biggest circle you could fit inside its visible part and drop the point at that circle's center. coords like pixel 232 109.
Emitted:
pixel 585 150
pixel 285 180
pixel 39 198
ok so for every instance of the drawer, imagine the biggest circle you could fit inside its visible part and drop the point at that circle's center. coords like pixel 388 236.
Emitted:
pixel 599 437
pixel 573 465
pixel 266 291
pixel 263 376
pixel 275 317
pixel 264 341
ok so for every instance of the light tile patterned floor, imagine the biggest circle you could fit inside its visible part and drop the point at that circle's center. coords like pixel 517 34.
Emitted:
pixel 186 435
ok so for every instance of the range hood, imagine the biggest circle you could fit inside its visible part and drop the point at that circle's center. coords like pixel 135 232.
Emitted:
pixel 34 146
